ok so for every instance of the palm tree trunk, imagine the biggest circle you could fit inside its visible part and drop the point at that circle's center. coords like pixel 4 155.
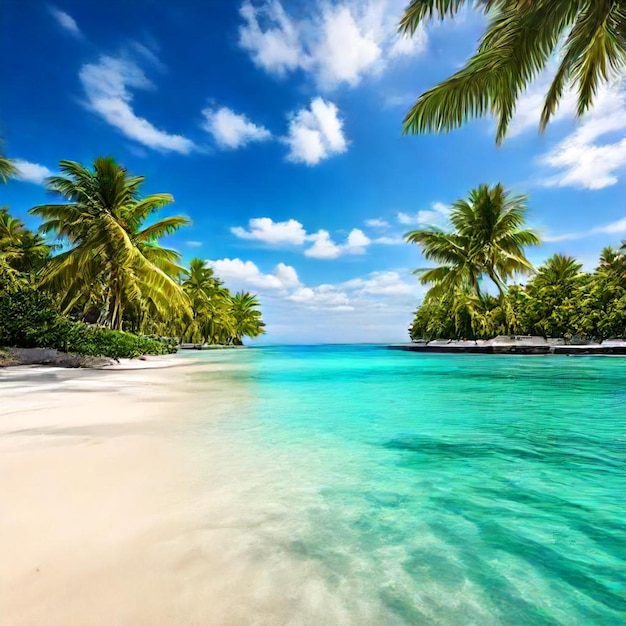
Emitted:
pixel 498 282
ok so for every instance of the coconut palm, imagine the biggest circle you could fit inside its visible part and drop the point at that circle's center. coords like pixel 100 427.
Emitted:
pixel 457 270
pixel 212 320
pixel 559 271
pixel 488 238
pixel 7 168
pixel 521 38
pixel 20 249
pixel 103 225
pixel 247 316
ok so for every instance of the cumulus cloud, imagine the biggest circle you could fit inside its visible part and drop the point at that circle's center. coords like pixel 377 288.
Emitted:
pixel 276 48
pixel 232 130
pixel 373 307
pixel 437 215
pixel 66 21
pixel 290 232
pixel 322 297
pixel 31 172
pixel 377 290
pixel 345 49
pixel 108 84
pixel 245 274
pixel 316 133
pixel 325 248
pixel 337 43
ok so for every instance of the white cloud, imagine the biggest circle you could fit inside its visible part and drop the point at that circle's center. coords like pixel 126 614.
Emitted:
pixel 357 241
pixel 408 46
pixel 376 290
pixel 377 223
pixel 437 215
pixel 586 157
pixel 374 307
pixel 232 130
pixel 264 229
pixel 388 283
pixel 66 21
pixel 31 172
pixel 530 105
pixel 345 50
pixel 322 297
pixel 107 85
pixel 325 248
pixel 389 241
pixel 292 233
pixel 614 228
pixel 276 48
pixel 315 133
pixel 194 244
pixel 245 274
pixel 337 43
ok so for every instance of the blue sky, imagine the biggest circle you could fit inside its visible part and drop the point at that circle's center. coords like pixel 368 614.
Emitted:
pixel 277 128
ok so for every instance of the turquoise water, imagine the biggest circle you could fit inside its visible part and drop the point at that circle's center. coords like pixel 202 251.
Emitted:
pixel 429 489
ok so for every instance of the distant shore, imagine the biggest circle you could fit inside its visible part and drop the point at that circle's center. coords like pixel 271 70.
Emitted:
pixel 511 344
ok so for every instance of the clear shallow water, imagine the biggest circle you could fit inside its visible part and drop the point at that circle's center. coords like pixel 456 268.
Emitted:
pixel 426 489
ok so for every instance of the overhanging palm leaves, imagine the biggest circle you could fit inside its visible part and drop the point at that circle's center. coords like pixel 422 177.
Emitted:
pixel 7 168
pixel 521 38
pixel 102 222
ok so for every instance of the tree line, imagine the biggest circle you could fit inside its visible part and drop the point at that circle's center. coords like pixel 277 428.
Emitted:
pixel 486 246
pixel 97 259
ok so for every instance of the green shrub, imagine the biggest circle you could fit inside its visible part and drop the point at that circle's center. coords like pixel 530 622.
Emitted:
pixel 28 319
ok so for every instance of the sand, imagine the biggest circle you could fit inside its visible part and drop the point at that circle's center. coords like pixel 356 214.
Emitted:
pixel 101 519
pixel 121 505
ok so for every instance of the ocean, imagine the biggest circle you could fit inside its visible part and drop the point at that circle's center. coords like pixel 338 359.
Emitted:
pixel 382 487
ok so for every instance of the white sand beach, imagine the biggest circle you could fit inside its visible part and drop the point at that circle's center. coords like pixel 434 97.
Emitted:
pixel 101 519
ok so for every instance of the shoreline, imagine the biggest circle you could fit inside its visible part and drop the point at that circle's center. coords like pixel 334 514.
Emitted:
pixel 11 358
pixel 102 495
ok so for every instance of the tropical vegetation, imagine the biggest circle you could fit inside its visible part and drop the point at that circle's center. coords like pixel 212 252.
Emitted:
pixel 96 280
pixel 523 38
pixel 484 247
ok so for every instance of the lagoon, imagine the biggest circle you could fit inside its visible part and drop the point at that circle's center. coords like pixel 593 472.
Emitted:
pixel 358 485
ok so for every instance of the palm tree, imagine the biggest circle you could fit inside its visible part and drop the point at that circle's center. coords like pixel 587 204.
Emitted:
pixel 20 249
pixel 212 320
pixel 521 38
pixel 457 271
pixel 488 239
pixel 559 271
pixel 7 168
pixel 248 322
pixel 103 225
pixel 612 262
